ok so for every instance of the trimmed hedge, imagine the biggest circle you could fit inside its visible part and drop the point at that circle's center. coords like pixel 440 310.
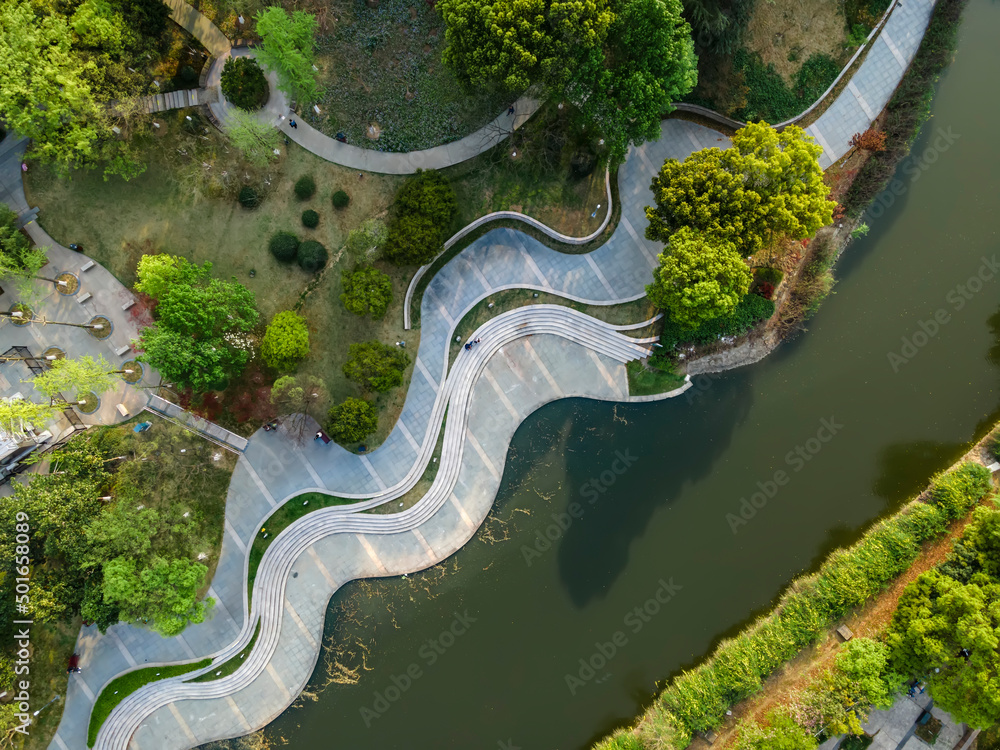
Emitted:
pixel 284 246
pixel 312 256
pixel 305 187
pixel 751 310
pixel 696 701
pixel 248 197
pixel 310 219
pixel 340 199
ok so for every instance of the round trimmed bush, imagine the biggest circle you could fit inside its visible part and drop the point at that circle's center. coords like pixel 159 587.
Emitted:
pixel 243 83
pixel 248 197
pixel 305 187
pixel 341 199
pixel 310 219
pixel 312 256
pixel 352 420
pixel 284 246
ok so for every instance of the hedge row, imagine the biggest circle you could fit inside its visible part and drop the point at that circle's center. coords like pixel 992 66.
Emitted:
pixel 697 700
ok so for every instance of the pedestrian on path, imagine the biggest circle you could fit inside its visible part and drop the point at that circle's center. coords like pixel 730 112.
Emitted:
pixel 24 166
pixel 293 124
pixel 511 110
pixel 468 347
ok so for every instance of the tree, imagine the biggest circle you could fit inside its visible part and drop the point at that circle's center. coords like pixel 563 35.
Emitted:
pixel 77 375
pixel 352 420
pixel 44 92
pixel 256 140
pixel 298 396
pixel 425 208
pixel 625 87
pixel 243 83
pixel 363 243
pixel 375 366
pixel 861 678
pixel 699 278
pixel 158 273
pixel 17 413
pixel 199 338
pixel 779 733
pixel 948 632
pixel 19 260
pixel 287 48
pixel 164 593
pixel 286 341
pixel 514 43
pixel 767 185
pixel 367 290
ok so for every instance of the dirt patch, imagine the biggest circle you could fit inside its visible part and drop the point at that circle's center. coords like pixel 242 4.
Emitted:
pixel 787 32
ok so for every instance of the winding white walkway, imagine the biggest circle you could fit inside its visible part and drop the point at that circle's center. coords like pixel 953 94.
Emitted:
pixel 528 357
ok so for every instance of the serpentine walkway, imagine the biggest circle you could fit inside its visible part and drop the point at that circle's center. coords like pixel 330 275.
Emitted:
pixel 528 357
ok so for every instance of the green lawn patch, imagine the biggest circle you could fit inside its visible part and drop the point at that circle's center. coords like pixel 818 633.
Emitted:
pixel 645 380
pixel 231 665
pixel 281 519
pixel 118 689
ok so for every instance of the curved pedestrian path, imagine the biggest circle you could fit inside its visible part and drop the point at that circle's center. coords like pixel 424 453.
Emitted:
pixel 273 469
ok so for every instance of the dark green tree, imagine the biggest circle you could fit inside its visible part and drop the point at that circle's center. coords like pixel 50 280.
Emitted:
pixel 424 210
pixel 367 290
pixel 375 366
pixel 243 83
pixel 352 420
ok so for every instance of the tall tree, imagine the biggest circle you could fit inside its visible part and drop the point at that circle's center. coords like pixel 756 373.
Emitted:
pixel 286 341
pixel 19 260
pixel 376 366
pixel 626 87
pixel 288 48
pixel 163 593
pixel 17 414
pixel 699 278
pixel 256 140
pixel 76 375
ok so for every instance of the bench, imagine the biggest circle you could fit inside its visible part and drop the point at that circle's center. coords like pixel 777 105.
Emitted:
pixel 122 410
pixel 128 304
pixel 123 350
pixel 83 298
pixel 87 266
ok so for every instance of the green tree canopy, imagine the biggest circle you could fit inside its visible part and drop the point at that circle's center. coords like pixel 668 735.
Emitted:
pixel 699 278
pixel 424 210
pixel 625 87
pixel 352 420
pixel 363 243
pixel 19 260
pixel 367 290
pixel 78 375
pixel 288 49
pixel 286 341
pixel 766 186
pixel 779 732
pixel 375 366
pixel 17 414
pixel 939 620
pixel 158 273
pixel 163 593
pixel 256 140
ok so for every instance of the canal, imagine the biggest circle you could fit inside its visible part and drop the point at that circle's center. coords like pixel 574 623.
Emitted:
pixel 476 653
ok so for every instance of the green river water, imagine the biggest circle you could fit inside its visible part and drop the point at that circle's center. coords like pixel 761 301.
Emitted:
pixel 854 431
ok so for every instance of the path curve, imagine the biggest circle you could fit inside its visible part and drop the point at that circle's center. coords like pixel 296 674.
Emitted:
pixel 271 472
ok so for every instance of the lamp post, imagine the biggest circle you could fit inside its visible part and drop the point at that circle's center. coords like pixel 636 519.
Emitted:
pixel 51 701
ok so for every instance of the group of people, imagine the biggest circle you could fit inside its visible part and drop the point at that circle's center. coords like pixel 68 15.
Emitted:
pixel 471 344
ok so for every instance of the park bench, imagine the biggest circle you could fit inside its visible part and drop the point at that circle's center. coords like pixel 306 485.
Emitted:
pixel 83 298
pixel 87 266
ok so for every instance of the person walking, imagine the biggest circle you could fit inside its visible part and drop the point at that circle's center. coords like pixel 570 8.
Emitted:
pixel 293 124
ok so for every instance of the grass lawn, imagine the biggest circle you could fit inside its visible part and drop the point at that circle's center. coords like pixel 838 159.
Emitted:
pixel 232 665
pixel 647 381
pixel 121 687
pixel 281 519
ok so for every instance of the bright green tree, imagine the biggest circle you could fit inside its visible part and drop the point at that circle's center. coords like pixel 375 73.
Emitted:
pixel 375 366
pixel 44 89
pixel 779 732
pixel 158 273
pixel 352 420
pixel 286 341
pixel 288 48
pixel 80 375
pixel 367 290
pixel 256 140
pixel 20 261
pixel 17 414
pixel 514 43
pixel 699 278
pixel 162 594
pixel 862 678
pixel 626 87
pixel 948 633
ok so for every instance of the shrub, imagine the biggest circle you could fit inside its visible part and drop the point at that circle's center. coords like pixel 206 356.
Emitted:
pixel 286 341
pixel 367 290
pixel 310 219
pixel 188 75
pixel 352 420
pixel 375 366
pixel 958 490
pixel 993 445
pixel 870 140
pixel 424 210
pixel 248 197
pixel 312 256
pixel 340 199
pixel 769 274
pixel 243 83
pixel 305 187
pixel 284 246
pixel 750 310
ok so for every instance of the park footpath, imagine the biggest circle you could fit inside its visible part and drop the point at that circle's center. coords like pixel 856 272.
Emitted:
pixel 273 469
